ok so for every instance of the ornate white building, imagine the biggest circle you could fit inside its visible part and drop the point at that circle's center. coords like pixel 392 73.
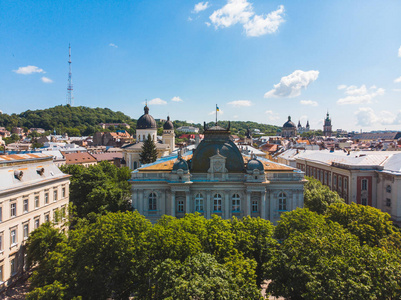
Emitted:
pixel 145 126
pixel 216 179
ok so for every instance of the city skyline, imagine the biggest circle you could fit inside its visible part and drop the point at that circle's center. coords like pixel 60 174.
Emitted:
pixel 259 61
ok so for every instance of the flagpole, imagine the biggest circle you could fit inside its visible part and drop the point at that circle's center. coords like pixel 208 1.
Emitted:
pixel 216 114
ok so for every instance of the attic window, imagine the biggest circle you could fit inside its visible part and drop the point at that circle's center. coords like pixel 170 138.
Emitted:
pixel 40 171
pixel 18 174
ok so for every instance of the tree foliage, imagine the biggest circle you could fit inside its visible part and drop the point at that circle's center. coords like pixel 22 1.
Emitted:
pixel 98 189
pixel 149 151
pixel 318 197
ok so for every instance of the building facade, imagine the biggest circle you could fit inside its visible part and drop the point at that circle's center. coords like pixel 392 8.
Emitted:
pixel 216 179
pixel 327 127
pixel 32 191
pixel 289 129
pixel 363 177
pixel 146 125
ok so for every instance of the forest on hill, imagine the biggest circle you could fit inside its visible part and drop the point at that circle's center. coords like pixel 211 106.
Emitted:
pixel 83 121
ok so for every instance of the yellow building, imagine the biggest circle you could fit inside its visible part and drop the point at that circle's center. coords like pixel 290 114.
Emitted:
pixel 33 190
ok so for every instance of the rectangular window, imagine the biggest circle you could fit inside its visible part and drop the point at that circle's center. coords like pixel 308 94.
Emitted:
pixel 1 274
pixel 26 231
pixel 37 223
pixel 1 242
pixel 13 209
pixel 13 237
pixel 55 217
pixel 47 218
pixel 340 182
pixel 25 202
pixel 37 201
pixel 388 202
pixel 63 214
pixel 255 206
pixel 1 214
pixel 345 183
pixel 364 184
pixel 63 192
pixel 335 181
pixel 364 201
pixel 55 195
pixel 217 205
pixel 13 266
pixel 46 197
pixel 236 205
pixel 180 207
pixel 199 205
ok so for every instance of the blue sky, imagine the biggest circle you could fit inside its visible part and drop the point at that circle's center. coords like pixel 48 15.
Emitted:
pixel 258 60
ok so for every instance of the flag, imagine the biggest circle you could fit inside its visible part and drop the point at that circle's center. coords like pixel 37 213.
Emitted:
pixel 217 108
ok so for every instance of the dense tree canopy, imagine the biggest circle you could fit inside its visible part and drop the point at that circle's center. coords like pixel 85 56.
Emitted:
pixel 318 197
pixel 98 189
pixel 149 151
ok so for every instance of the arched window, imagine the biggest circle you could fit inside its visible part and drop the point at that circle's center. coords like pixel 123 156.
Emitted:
pixel 282 201
pixel 236 203
pixel 135 165
pixel 217 203
pixel 152 199
pixel 199 202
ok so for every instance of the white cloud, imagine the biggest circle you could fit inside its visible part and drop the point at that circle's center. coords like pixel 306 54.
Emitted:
pixel 28 70
pixel 399 52
pixel 397 90
pixel 241 11
pixel 208 24
pixel 355 95
pixel 291 85
pixel 272 116
pixel 397 80
pixel 235 11
pixel 341 87
pixel 220 112
pixel 365 116
pixel 261 25
pixel 240 103
pixel 308 102
pixel 201 6
pixel 113 45
pixel 157 101
pixel 176 99
pixel 190 19
pixel 46 80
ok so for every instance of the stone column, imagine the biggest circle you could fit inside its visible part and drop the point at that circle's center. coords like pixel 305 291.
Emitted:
pixel 208 210
pixel 227 205
pixel 172 203
pixel 187 203
pixel 248 204
pixel 162 202
pixel 129 161
pixel 271 206
pixel 263 210
pixel 140 202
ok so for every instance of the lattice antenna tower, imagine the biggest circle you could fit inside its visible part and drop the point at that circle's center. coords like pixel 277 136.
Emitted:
pixel 70 94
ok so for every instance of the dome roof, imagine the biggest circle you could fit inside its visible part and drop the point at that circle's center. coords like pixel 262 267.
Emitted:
pixel 146 121
pixel 289 123
pixel 180 164
pixel 255 164
pixel 168 125
pixel 217 138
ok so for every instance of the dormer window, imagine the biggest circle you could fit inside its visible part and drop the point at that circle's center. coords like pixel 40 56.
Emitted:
pixel 18 174
pixel 40 171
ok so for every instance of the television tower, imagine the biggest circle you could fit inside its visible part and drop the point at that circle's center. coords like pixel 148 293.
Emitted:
pixel 70 95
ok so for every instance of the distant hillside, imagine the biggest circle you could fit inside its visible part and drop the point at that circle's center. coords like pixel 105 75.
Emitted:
pixel 75 120
pixel 81 120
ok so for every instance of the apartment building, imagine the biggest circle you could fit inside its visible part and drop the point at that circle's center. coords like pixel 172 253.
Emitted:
pixel 33 190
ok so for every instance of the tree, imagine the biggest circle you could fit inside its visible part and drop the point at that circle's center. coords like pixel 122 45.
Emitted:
pixel 149 151
pixel 328 262
pixel 99 188
pixel 318 197
pixel 42 241
pixel 369 224
pixel 200 277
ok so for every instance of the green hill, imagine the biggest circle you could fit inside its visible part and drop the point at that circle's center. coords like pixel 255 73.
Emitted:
pixel 75 120
pixel 81 120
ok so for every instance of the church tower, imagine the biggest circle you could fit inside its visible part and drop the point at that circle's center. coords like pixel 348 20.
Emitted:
pixel 168 136
pixel 327 128
pixel 146 125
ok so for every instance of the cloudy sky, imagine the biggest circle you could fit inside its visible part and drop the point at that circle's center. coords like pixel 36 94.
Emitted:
pixel 258 60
